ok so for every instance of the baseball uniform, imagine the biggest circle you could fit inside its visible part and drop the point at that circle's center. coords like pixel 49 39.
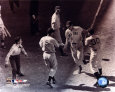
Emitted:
pixel 74 36
pixel 48 44
pixel 95 59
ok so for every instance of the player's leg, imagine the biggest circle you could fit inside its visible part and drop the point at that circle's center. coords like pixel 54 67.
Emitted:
pixel 74 53
pixel 99 66
pixel 13 65
pixel 53 64
pixel 81 57
pixel 46 58
pixel 93 65
pixel 18 65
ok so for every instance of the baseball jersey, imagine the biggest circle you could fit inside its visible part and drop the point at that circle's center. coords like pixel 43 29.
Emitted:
pixel 55 20
pixel 93 42
pixel 74 35
pixel 48 44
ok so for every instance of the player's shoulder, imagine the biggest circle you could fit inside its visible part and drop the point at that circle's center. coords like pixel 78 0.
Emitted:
pixel 13 46
pixel 54 15
pixel 43 38
pixel 68 31
pixel 78 28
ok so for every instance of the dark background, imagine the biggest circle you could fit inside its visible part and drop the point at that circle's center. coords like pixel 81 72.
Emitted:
pixel 81 12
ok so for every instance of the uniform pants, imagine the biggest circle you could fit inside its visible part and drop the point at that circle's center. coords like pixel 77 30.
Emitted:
pixel 51 63
pixel 77 56
pixel 95 61
pixel 15 64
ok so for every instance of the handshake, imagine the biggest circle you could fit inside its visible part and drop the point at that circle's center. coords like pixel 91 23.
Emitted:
pixel 64 46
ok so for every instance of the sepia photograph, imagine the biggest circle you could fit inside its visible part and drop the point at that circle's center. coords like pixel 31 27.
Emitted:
pixel 57 46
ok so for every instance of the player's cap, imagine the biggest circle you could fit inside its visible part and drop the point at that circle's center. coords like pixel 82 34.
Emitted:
pixel 57 7
pixel 68 24
pixel 50 30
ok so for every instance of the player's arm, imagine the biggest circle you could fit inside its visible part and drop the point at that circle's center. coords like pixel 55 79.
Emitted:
pixel 55 43
pixel 8 56
pixel 23 51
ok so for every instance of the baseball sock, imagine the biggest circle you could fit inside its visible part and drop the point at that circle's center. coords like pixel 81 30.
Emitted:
pixel 54 81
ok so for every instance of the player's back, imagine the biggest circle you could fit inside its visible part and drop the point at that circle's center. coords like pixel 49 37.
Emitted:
pixel 77 34
pixel 94 42
pixel 48 44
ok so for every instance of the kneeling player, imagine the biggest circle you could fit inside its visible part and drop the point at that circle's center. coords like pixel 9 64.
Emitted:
pixel 95 63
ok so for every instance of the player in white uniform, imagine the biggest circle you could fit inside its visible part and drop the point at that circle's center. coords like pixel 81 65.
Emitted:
pixel 56 25
pixel 3 31
pixel 73 36
pixel 48 44
pixel 93 42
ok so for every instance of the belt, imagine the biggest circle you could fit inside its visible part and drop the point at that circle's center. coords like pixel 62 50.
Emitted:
pixel 15 55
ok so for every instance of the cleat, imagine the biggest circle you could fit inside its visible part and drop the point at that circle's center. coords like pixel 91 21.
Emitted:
pixel 20 74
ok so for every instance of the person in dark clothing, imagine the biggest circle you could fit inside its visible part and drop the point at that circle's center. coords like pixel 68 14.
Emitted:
pixel 12 3
pixel 13 57
pixel 34 17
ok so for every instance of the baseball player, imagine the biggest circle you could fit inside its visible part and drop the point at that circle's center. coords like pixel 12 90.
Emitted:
pixel 56 25
pixel 93 42
pixel 13 57
pixel 48 44
pixel 3 31
pixel 74 36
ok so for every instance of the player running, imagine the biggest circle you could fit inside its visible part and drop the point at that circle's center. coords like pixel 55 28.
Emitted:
pixel 48 44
